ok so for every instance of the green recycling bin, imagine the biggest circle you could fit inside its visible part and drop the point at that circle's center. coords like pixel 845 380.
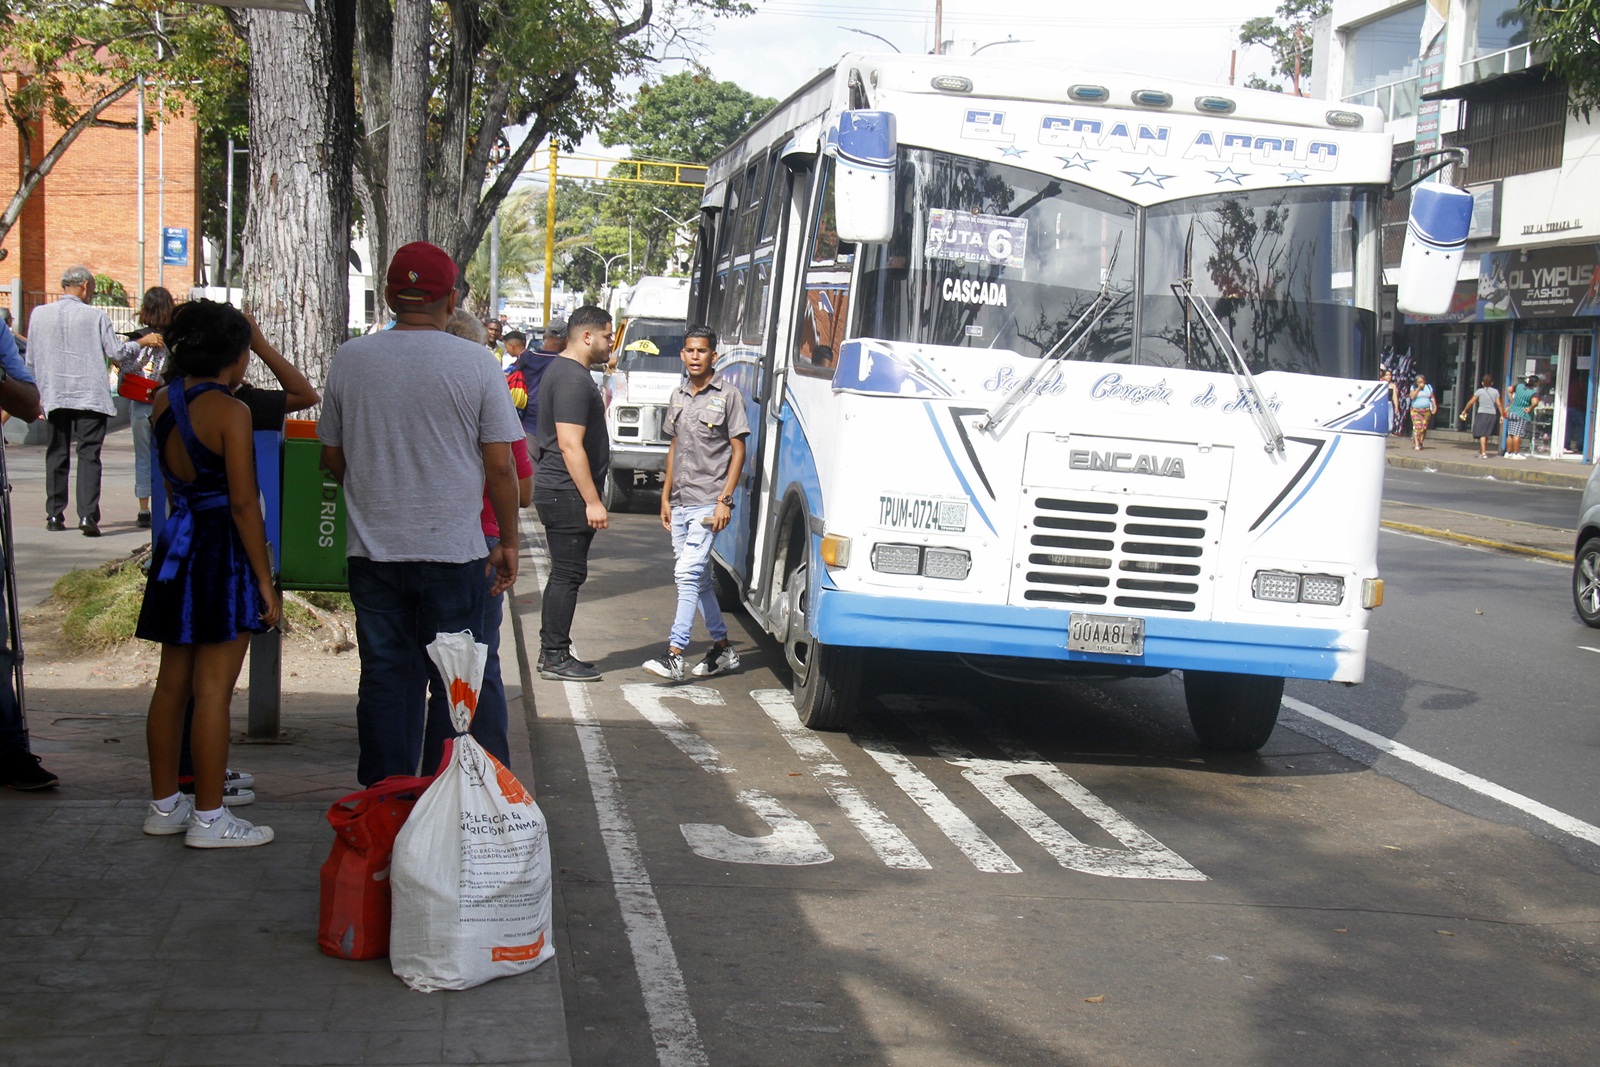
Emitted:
pixel 313 516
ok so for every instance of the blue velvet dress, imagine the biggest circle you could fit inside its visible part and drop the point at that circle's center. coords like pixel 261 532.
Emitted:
pixel 201 588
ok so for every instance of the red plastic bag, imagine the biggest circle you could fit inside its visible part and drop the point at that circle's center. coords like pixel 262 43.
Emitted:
pixel 353 922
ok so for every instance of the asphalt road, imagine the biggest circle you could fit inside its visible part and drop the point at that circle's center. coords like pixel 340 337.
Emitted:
pixel 989 872
pixel 1517 501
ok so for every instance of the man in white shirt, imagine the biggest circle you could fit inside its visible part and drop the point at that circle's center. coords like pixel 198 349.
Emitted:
pixel 72 346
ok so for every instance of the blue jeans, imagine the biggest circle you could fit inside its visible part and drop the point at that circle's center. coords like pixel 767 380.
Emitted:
pixel 491 720
pixel 691 549
pixel 139 423
pixel 400 608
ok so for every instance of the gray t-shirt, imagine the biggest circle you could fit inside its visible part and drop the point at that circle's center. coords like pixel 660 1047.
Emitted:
pixel 410 409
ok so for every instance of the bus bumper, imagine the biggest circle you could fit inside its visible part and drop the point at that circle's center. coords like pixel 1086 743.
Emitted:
pixel 854 619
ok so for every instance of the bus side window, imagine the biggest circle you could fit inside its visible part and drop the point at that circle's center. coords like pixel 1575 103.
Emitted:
pixel 824 313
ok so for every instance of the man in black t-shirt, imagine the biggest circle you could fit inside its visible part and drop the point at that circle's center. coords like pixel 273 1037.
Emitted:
pixel 573 457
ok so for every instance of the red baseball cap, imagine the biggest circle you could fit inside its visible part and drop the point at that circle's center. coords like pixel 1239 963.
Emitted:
pixel 421 273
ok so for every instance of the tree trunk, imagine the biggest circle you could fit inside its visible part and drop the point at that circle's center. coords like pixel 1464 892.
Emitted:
pixel 297 231
pixel 407 193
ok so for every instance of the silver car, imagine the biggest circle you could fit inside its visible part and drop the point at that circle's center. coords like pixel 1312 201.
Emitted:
pixel 1586 560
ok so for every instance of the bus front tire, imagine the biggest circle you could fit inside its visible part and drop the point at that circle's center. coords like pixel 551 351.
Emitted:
pixel 1232 712
pixel 827 679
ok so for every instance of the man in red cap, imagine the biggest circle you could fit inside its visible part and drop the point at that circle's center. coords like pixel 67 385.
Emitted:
pixel 415 423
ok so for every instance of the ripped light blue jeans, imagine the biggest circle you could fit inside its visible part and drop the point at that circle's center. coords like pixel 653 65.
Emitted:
pixel 691 548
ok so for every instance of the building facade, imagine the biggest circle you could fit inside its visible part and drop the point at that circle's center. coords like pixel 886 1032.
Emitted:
pixel 1528 301
pixel 86 210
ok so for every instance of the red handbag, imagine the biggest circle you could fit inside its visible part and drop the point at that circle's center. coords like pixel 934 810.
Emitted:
pixel 353 920
pixel 137 387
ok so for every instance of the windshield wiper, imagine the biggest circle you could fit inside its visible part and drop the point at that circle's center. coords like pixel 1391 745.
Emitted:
pixel 1265 421
pixel 1076 334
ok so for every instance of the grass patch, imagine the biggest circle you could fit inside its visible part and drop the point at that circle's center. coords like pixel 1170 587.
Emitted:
pixel 297 618
pixel 102 606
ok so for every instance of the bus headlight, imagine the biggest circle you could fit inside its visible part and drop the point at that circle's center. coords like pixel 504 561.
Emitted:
pixel 630 416
pixel 896 559
pixel 953 563
pixel 1285 587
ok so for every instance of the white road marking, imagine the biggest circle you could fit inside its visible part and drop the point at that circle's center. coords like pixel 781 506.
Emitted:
pixel 954 823
pixel 1144 856
pixel 647 700
pixel 666 997
pixel 1544 813
pixel 887 840
pixel 1587 648
pixel 793 842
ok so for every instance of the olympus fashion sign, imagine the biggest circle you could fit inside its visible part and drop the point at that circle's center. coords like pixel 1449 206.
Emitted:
pixel 1126 463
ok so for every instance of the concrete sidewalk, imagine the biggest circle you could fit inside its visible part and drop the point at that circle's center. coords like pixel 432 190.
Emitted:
pixel 125 949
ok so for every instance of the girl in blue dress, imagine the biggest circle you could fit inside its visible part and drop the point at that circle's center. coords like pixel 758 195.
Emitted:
pixel 210 584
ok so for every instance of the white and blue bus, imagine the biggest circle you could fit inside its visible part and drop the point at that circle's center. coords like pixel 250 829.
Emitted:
pixel 1054 368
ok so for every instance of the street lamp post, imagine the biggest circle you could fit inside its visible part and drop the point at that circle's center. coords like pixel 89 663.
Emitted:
pixel 606 262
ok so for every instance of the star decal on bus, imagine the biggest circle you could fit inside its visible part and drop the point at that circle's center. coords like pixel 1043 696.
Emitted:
pixel 1075 160
pixel 1011 152
pixel 1295 176
pixel 1228 174
pixel 1148 177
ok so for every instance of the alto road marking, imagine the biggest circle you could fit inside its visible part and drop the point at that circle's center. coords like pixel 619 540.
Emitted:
pixel 1544 813
pixel 886 839
pixel 954 823
pixel 793 842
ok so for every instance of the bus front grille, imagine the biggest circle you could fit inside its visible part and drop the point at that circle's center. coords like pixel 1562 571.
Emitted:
pixel 1107 553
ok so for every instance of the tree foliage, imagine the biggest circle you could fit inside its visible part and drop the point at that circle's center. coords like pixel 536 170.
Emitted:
pixel 1569 31
pixel 683 118
pixel 1286 34
pixel 531 69
pixel 67 61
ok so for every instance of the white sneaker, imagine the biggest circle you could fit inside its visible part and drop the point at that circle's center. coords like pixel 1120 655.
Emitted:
pixel 161 823
pixel 232 779
pixel 669 665
pixel 720 660
pixel 225 831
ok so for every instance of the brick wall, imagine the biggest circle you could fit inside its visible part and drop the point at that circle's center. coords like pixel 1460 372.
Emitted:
pixel 86 210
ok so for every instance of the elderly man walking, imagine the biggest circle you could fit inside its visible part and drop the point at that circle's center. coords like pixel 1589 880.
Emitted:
pixel 72 346
pixel 416 425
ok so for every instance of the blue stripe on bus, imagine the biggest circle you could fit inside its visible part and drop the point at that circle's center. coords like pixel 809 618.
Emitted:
pixel 955 467
pixel 844 617
pixel 1311 481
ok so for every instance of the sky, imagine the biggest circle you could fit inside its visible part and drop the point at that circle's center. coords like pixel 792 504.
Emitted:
pixel 774 51
pixel 1189 39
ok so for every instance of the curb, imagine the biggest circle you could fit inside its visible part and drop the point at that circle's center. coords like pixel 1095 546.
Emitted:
pixel 1481 542
pixel 1531 476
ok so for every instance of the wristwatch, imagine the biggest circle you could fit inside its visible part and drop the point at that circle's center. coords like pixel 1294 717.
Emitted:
pixel 726 501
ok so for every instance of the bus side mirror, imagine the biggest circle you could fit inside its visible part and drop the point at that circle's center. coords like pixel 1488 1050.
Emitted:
pixel 1436 238
pixel 864 188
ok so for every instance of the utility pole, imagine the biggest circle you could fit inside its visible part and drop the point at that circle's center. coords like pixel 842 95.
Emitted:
pixel 938 27
pixel 1299 47
pixel 550 232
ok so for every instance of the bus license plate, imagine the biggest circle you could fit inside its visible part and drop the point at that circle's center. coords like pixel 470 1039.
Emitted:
pixel 1116 635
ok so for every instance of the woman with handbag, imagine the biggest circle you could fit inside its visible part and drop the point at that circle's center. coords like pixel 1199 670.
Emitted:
pixel 143 359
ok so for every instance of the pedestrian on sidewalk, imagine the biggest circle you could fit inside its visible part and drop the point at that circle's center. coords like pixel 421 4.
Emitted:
pixel 19 767
pixel 1397 406
pixel 574 454
pixel 1422 408
pixel 1519 414
pixel 414 423
pixel 210 584
pixel 145 356
pixel 71 346
pixel 1489 413
pixel 707 425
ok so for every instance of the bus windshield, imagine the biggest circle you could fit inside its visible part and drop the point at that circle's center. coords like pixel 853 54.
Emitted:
pixel 987 255
pixel 991 256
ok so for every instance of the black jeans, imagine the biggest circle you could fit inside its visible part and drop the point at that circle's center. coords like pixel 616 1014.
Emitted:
pixel 568 535
pixel 86 429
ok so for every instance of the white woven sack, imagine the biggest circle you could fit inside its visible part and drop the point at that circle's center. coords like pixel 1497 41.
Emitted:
pixel 471 871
